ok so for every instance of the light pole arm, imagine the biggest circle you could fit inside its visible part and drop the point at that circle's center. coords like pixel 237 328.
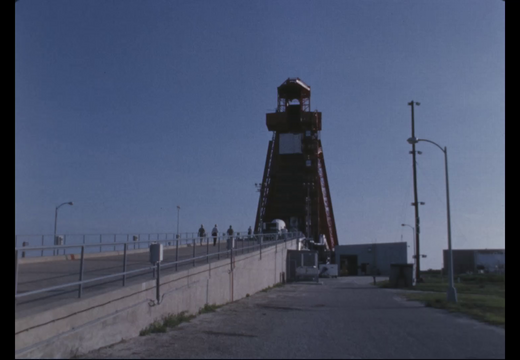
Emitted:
pixel 434 143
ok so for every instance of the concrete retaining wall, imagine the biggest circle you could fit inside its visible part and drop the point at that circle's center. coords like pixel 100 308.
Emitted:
pixel 106 319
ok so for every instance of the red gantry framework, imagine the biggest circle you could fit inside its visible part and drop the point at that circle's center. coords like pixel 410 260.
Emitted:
pixel 295 188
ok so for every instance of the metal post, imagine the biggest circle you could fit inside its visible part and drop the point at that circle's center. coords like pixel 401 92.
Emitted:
pixel 231 258
pixel 55 224
pixel 207 250
pixel 15 272
pixel 158 283
pixel 176 253
pixel 80 287
pixel 64 243
pixel 194 244
pixel 100 240
pixel 452 292
pixel 218 247
pixel 416 202
pixel 124 264
pixel 42 244
pixel 114 242
pixel 178 210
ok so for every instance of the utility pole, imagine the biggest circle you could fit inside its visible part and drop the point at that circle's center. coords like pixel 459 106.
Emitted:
pixel 416 202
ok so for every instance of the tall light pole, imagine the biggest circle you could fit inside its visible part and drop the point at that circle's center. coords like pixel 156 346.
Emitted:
pixel 451 292
pixel 178 211
pixel 416 201
pixel 413 242
pixel 56 219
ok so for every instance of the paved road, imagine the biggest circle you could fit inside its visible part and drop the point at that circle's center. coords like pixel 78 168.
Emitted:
pixel 34 276
pixel 343 318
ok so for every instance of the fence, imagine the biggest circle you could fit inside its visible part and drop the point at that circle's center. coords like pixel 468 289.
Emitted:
pixel 105 242
pixel 178 253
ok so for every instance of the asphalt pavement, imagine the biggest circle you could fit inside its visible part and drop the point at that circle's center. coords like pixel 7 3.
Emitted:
pixel 345 318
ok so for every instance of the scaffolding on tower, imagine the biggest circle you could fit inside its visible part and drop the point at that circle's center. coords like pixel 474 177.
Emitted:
pixel 295 187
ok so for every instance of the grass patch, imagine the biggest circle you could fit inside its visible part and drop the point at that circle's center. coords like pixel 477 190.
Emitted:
pixel 487 308
pixel 481 296
pixel 383 284
pixel 208 308
pixel 167 321
pixel 478 284
pixel 277 285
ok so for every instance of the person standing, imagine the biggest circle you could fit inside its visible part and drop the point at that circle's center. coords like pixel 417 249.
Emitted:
pixel 202 233
pixel 214 233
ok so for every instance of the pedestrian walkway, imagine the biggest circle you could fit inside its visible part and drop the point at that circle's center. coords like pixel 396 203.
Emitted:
pixel 339 318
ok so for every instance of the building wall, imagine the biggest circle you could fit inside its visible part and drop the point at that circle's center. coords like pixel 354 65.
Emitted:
pixel 380 255
pixel 468 260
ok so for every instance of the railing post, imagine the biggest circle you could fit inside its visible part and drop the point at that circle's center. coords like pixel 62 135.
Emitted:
pixel 158 283
pixel 176 253
pixel 114 242
pixel 207 250
pixel 15 272
pixel 42 245
pixel 194 244
pixel 100 240
pixel 124 264
pixel 80 289
pixel 218 247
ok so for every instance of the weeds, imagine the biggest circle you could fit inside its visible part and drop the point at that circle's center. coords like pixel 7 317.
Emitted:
pixel 208 308
pixel 167 321
pixel 280 284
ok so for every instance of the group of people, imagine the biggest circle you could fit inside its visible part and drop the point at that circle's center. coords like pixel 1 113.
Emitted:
pixel 214 233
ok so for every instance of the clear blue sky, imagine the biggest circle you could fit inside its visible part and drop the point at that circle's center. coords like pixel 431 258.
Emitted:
pixel 130 108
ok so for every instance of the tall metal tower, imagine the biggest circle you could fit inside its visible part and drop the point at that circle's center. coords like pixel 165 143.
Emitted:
pixel 295 188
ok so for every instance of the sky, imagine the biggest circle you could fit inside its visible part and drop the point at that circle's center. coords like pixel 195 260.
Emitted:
pixel 132 108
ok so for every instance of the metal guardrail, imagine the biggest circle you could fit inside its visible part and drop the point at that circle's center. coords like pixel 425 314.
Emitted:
pixel 104 242
pixel 259 241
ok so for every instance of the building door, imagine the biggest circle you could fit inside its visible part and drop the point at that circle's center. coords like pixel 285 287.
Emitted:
pixel 349 263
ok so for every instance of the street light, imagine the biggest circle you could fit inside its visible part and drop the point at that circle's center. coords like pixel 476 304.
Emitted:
pixel 56 221
pixel 452 292
pixel 178 210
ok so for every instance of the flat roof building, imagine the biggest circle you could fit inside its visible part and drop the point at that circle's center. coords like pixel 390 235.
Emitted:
pixel 363 259
pixel 475 260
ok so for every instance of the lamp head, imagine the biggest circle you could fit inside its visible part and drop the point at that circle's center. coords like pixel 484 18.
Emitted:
pixel 71 203
pixel 412 140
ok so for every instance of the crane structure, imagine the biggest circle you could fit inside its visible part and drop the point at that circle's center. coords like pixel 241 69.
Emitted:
pixel 294 187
